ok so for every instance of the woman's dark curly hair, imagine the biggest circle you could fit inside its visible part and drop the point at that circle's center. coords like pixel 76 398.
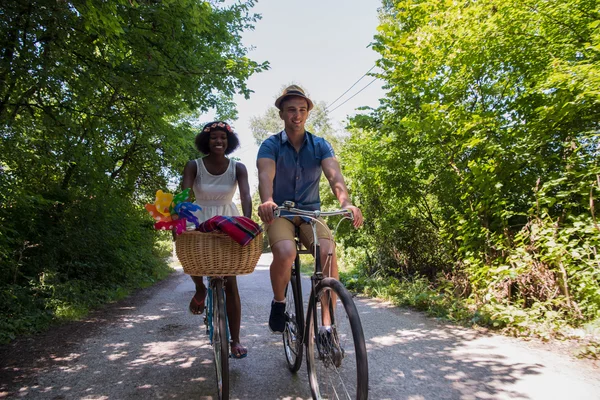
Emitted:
pixel 202 138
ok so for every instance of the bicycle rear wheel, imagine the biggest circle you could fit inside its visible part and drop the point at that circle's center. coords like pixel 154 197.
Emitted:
pixel 219 340
pixel 336 358
pixel 294 320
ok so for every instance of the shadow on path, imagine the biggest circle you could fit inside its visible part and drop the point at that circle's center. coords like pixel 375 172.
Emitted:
pixel 148 346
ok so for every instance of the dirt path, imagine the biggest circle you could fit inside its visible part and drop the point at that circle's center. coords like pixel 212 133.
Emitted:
pixel 149 347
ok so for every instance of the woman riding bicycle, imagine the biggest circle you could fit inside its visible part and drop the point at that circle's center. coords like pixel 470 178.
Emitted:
pixel 214 179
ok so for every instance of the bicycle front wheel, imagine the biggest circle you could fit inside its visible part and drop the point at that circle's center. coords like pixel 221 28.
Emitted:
pixel 336 354
pixel 294 321
pixel 219 340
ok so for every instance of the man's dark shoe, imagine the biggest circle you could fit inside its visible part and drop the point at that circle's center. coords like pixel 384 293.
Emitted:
pixel 277 317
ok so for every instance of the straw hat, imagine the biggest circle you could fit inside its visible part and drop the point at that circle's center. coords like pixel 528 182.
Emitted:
pixel 293 90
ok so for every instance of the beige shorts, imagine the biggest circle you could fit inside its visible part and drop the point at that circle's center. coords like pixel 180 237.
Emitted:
pixel 284 229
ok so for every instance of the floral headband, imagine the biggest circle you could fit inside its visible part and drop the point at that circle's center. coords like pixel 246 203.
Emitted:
pixel 216 125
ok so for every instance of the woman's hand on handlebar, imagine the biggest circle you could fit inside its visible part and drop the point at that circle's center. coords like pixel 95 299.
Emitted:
pixel 265 211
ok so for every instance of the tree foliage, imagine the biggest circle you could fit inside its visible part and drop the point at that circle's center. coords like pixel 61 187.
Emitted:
pixel 481 164
pixel 96 100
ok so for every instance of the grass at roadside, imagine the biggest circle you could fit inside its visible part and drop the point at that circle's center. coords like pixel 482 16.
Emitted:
pixel 26 310
pixel 440 301
pixel 539 321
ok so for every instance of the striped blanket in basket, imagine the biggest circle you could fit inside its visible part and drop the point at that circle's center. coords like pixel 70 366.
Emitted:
pixel 240 229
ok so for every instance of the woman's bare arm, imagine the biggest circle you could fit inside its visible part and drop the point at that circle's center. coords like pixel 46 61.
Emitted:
pixel 189 175
pixel 242 178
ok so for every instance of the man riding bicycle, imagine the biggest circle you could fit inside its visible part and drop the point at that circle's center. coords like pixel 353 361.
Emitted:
pixel 289 168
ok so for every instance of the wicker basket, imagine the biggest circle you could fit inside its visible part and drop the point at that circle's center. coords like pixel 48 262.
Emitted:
pixel 216 254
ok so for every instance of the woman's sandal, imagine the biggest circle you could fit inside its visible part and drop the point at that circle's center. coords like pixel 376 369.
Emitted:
pixel 197 307
pixel 241 353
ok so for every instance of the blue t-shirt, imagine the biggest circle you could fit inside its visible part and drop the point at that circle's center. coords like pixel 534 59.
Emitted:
pixel 297 174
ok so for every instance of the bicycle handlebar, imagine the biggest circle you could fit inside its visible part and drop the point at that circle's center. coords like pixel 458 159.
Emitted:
pixel 290 207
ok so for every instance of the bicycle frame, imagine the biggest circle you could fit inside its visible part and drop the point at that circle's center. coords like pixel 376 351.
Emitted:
pixel 208 318
pixel 315 278
pixel 317 275
pixel 337 316
pixel 219 339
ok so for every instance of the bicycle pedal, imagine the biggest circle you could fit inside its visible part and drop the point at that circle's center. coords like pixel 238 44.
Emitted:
pixel 337 355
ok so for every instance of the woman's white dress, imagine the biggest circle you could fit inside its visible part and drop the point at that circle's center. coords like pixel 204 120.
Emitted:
pixel 214 193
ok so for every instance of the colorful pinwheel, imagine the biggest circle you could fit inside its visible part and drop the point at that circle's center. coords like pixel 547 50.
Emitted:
pixel 171 212
pixel 186 210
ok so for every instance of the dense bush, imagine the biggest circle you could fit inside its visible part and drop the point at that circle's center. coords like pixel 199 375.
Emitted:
pixel 80 253
pixel 95 108
pixel 480 168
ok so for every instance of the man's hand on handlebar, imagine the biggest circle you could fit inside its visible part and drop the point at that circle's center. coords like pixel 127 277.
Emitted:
pixel 358 217
pixel 265 211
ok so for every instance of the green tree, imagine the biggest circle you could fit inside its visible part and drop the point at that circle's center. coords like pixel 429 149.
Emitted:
pixel 96 100
pixel 486 147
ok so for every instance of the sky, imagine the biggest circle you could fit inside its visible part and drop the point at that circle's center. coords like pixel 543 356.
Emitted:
pixel 322 45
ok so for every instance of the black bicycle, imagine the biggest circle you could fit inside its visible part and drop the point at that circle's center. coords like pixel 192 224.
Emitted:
pixel 332 334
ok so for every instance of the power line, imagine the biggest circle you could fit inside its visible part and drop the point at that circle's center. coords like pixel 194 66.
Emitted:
pixel 351 97
pixel 354 84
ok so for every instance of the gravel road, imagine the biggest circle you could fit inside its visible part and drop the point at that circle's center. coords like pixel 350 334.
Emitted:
pixel 149 347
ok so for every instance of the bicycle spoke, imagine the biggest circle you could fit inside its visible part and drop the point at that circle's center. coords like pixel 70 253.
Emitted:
pixel 292 334
pixel 216 340
pixel 335 369
pixel 336 354
pixel 220 342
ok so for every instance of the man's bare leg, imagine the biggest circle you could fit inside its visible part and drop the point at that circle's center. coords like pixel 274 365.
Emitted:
pixel 284 254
